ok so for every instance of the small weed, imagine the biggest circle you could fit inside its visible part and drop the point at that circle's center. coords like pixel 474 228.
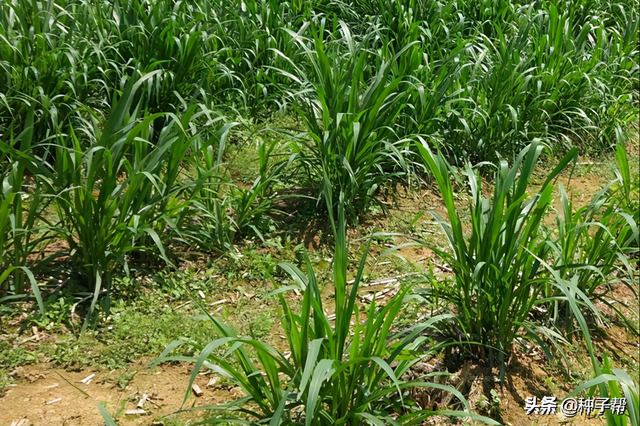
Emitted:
pixel 125 378
pixel 58 310
pixel 260 325
pixel 170 421
pixel 12 356
pixel 551 385
pixel 495 403
pixel 483 405
pixel 72 352
pixel 135 329
pixel 4 381
pixel 144 329
pixel 490 407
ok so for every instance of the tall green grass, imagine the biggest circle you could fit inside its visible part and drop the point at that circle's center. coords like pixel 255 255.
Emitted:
pixel 498 278
pixel 20 211
pixel 108 194
pixel 349 111
pixel 479 79
pixel 627 193
pixel 596 242
pixel 607 381
pixel 345 370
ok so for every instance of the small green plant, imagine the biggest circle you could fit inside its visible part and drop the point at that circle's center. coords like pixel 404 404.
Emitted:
pixel 12 356
pixel 593 242
pixel 490 407
pixel 495 403
pixel 125 378
pixel 4 381
pixel 220 211
pixel 260 325
pixel 59 309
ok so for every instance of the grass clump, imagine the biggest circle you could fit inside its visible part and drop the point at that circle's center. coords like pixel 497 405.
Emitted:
pixel 343 370
pixel 596 243
pixel 349 110
pixel 498 276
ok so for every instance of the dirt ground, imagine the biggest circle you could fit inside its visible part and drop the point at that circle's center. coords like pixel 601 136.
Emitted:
pixel 51 396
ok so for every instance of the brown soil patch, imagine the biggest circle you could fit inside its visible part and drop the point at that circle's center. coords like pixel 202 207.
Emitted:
pixel 37 387
pixel 526 379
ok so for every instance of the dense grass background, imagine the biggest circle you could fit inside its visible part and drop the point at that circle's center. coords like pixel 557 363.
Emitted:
pixel 118 115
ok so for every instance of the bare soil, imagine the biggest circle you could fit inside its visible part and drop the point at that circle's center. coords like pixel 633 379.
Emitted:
pixel 52 396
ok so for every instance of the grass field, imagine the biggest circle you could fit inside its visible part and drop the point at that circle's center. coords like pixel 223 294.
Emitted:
pixel 317 212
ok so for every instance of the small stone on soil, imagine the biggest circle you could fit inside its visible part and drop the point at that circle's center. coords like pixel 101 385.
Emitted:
pixel 196 390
